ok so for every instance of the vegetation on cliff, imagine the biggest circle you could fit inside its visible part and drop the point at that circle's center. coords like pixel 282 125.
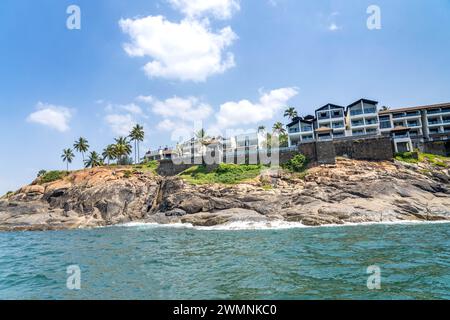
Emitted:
pixel 423 158
pixel 224 174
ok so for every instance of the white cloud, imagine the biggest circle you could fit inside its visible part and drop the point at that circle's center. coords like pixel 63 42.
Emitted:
pixel 166 125
pixel 334 27
pixel 55 117
pixel 188 50
pixel 121 124
pixel 220 9
pixel 189 109
pixel 244 112
pixel 131 108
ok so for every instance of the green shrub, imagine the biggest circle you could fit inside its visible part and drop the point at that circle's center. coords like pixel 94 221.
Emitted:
pixel 52 176
pixel 408 157
pixel 224 174
pixel 297 164
pixel 41 173
pixel 8 194
pixel 128 174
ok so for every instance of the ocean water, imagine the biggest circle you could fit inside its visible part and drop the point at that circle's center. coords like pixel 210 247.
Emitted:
pixel 152 262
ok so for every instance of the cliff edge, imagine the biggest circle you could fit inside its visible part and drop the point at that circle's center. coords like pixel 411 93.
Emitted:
pixel 348 192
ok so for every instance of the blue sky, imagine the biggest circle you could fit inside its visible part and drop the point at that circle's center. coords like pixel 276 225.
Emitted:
pixel 232 64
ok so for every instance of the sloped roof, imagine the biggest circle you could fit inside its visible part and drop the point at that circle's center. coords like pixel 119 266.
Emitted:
pixel 335 106
pixel 431 106
pixel 362 100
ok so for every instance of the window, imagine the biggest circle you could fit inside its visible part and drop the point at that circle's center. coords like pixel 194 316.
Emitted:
pixel 371 121
pixel 371 131
pixel 356 123
pixel 357 132
pixel 337 114
pixel 323 115
pixel 385 124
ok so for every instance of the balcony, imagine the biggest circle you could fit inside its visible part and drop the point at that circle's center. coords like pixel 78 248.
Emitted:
pixel 307 129
pixel 338 126
pixel 413 124
pixel 294 130
pixel 445 120
pixel 401 135
pixel 357 123
pixel 434 111
pixel 356 112
pixel 371 122
pixel 434 123
pixel 370 110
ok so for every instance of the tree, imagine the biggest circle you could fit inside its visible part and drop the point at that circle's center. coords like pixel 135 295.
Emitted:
pixel 67 157
pixel 94 160
pixel 82 146
pixel 122 148
pixel 41 173
pixel 109 153
pixel 384 108
pixel 291 113
pixel 261 128
pixel 137 135
pixel 279 128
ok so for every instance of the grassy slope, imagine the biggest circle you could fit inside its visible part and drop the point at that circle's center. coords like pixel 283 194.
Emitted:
pixel 439 161
pixel 225 174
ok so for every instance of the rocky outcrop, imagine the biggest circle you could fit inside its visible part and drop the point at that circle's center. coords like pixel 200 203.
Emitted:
pixel 348 192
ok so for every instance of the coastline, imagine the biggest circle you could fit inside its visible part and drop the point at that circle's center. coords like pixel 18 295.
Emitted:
pixel 350 192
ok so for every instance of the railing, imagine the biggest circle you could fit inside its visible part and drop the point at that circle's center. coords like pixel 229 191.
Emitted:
pixel 413 124
pixel 356 112
pixel 357 124
pixel 432 123
pixel 434 111
pixel 294 130
pixel 370 110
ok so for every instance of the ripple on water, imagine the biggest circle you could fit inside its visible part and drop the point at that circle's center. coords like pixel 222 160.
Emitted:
pixel 151 262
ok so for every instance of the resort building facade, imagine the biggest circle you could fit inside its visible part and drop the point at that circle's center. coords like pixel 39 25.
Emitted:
pixel 407 126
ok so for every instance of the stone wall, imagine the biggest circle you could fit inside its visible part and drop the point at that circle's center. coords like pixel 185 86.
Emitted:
pixel 441 148
pixel 323 152
pixel 375 149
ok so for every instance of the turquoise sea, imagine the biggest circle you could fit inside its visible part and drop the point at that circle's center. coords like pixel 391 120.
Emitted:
pixel 151 262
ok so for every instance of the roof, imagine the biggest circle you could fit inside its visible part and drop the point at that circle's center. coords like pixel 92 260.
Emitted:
pixel 324 130
pixel 400 128
pixel 335 106
pixel 431 106
pixel 362 100
pixel 299 119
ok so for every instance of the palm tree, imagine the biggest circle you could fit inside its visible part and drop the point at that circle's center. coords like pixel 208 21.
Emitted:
pixel 67 156
pixel 279 128
pixel 384 108
pixel 137 135
pixel 109 153
pixel 122 148
pixel 291 113
pixel 82 146
pixel 94 160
